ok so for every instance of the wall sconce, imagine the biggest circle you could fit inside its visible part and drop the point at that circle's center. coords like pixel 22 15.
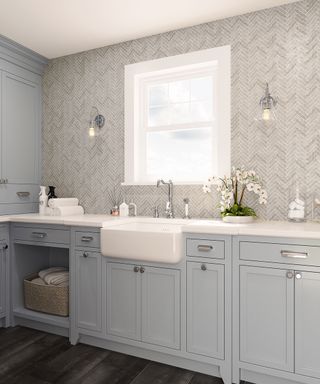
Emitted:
pixel 96 122
pixel 267 107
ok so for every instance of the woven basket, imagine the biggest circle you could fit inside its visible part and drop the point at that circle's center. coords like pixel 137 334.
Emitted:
pixel 46 298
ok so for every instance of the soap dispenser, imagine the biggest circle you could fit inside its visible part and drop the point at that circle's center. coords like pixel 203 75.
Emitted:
pixel 43 200
pixel 296 211
pixel 124 209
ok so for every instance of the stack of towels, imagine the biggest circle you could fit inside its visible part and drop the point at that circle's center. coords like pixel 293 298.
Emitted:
pixel 58 276
pixel 65 207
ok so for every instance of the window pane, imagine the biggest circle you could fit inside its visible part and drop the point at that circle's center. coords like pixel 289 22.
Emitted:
pixel 201 111
pixel 179 91
pixel 201 88
pixel 158 94
pixel 179 113
pixel 158 116
pixel 182 155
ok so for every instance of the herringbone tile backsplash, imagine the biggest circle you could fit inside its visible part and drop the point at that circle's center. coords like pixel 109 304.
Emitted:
pixel 281 45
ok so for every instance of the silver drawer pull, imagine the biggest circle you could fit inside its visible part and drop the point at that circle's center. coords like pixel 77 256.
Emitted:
pixel 203 267
pixel 85 254
pixel 39 235
pixel 86 239
pixel 205 248
pixel 294 255
pixel 23 194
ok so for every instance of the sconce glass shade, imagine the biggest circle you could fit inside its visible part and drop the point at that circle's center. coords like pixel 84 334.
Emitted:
pixel 266 114
pixel 96 123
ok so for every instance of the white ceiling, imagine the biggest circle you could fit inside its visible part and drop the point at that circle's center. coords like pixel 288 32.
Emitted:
pixel 56 28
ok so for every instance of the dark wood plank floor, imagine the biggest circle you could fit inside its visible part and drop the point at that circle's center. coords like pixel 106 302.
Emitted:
pixel 32 357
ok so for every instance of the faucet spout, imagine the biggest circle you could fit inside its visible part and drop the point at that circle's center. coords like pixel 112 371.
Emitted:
pixel 169 205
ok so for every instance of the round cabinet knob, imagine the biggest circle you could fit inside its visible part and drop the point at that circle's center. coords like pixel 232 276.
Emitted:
pixel 203 267
pixel 85 254
pixel 298 275
pixel 142 270
pixel 136 269
pixel 290 274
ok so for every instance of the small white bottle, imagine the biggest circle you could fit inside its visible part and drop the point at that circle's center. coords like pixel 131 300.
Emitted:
pixel 43 200
pixel 124 209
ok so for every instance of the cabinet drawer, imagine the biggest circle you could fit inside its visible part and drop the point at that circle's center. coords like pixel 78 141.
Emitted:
pixel 205 248
pixel 16 193
pixel 41 235
pixel 280 253
pixel 87 239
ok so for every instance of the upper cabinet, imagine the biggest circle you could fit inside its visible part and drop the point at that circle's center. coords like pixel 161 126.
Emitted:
pixel 20 130
pixel 20 127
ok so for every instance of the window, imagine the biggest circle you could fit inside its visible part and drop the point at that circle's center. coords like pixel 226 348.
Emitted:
pixel 178 118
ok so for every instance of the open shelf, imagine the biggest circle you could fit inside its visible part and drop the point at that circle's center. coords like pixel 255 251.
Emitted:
pixel 25 313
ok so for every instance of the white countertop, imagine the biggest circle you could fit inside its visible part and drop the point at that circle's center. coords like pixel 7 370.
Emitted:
pixel 308 230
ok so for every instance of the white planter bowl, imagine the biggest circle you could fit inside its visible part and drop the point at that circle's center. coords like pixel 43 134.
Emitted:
pixel 238 219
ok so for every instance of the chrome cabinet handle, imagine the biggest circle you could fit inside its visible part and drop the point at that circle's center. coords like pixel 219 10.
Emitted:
pixel 205 248
pixel 86 239
pixel 23 194
pixel 294 255
pixel 142 270
pixel 298 275
pixel 5 246
pixel 290 274
pixel 203 267
pixel 136 269
pixel 39 235
pixel 85 254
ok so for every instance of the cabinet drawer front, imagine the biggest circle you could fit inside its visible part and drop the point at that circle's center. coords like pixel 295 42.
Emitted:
pixel 205 248
pixel 280 253
pixel 41 235
pixel 16 194
pixel 87 239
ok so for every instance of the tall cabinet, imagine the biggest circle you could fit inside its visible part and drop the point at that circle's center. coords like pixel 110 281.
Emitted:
pixel 20 127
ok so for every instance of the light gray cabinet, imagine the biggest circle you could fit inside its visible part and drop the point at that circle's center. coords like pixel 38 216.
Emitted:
pixel 3 281
pixel 205 309
pixel 267 317
pixel 161 307
pixel 143 303
pixel 123 300
pixel 20 128
pixel 307 324
pixel 88 290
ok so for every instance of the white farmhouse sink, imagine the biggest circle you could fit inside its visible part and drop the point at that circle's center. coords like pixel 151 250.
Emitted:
pixel 153 240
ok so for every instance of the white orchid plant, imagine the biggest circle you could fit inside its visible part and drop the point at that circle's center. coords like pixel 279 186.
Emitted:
pixel 232 190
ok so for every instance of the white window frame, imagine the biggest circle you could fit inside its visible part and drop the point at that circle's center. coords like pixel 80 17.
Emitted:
pixel 136 75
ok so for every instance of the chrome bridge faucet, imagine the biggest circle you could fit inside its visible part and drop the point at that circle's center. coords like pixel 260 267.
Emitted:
pixel 169 205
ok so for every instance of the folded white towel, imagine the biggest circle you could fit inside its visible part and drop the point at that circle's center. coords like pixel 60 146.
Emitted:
pixel 38 280
pixel 68 211
pixel 63 202
pixel 57 278
pixel 42 274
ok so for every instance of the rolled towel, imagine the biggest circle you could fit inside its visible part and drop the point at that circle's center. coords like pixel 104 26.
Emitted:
pixel 38 280
pixel 57 278
pixel 63 202
pixel 42 274
pixel 68 211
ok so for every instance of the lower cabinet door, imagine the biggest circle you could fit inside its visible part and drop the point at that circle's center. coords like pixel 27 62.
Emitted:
pixel 307 324
pixel 2 283
pixel 88 283
pixel 124 300
pixel 205 309
pixel 161 306
pixel 267 317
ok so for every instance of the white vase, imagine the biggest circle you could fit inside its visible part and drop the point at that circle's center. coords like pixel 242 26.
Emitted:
pixel 238 219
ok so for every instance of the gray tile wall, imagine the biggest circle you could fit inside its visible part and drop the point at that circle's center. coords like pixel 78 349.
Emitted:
pixel 281 45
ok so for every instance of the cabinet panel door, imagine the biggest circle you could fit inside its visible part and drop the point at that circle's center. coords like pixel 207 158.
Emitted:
pixel 307 340
pixel 88 282
pixel 20 130
pixel 2 282
pixel 123 301
pixel 266 317
pixel 161 307
pixel 205 309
